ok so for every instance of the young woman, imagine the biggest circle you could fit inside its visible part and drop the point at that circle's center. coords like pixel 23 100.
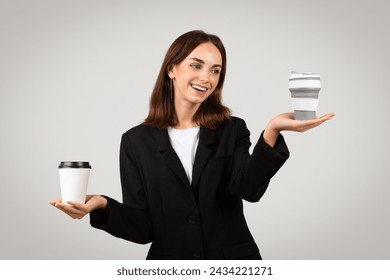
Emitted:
pixel 186 169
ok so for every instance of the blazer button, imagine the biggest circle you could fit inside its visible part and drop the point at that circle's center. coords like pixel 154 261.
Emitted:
pixel 192 220
pixel 197 254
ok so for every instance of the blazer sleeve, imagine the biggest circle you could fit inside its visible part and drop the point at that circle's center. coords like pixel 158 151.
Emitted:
pixel 129 220
pixel 252 173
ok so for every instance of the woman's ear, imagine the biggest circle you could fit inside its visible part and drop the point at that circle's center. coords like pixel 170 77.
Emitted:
pixel 170 72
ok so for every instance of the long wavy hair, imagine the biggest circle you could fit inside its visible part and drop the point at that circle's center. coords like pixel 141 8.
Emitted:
pixel 211 113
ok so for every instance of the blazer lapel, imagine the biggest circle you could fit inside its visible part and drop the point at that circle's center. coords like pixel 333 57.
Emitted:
pixel 204 151
pixel 169 155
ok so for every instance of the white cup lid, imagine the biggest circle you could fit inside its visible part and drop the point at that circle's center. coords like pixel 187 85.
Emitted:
pixel 296 75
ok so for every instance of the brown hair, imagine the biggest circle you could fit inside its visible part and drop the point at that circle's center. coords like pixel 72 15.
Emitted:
pixel 211 112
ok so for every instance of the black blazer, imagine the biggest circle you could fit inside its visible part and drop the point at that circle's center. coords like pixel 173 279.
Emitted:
pixel 204 220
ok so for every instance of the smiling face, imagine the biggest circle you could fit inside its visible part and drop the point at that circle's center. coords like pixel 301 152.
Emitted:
pixel 197 76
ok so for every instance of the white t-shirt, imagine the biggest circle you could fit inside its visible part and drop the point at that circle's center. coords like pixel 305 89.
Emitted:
pixel 185 142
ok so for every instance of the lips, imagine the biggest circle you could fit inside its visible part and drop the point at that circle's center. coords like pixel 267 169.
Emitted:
pixel 199 88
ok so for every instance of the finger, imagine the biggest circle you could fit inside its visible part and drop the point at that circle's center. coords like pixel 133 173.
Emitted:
pixel 53 202
pixel 303 126
pixel 70 210
pixel 77 215
pixel 76 205
pixel 328 116
pixel 83 208
pixel 65 207
pixel 315 124
pixel 320 119
pixel 317 121
pixel 80 206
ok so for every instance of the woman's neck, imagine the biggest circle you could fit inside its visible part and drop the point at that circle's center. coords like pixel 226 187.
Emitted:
pixel 185 116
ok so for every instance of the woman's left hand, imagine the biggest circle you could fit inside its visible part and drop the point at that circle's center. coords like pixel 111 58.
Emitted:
pixel 286 122
pixel 79 210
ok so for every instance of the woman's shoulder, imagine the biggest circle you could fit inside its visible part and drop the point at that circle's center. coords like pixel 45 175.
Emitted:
pixel 235 122
pixel 232 128
pixel 236 119
pixel 138 128
pixel 138 131
pixel 141 137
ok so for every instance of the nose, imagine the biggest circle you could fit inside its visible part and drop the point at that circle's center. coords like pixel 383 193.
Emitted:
pixel 204 75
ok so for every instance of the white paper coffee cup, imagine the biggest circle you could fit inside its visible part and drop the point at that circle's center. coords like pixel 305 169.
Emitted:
pixel 304 88
pixel 74 176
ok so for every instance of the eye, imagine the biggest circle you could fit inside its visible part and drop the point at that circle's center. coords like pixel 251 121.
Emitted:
pixel 195 66
pixel 215 71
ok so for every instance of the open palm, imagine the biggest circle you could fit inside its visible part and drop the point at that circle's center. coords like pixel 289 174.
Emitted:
pixel 286 122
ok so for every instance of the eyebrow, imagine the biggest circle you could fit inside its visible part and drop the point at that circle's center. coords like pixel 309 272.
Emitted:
pixel 202 62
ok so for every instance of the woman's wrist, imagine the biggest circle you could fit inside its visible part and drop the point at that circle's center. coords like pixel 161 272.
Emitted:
pixel 270 135
pixel 103 203
pixel 96 202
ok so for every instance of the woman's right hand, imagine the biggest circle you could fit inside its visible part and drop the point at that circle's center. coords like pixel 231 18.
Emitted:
pixel 79 210
pixel 287 122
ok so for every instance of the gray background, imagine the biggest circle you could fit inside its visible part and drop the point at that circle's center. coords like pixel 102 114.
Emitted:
pixel 75 75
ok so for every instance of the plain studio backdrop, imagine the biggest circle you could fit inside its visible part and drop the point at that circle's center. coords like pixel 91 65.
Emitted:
pixel 75 75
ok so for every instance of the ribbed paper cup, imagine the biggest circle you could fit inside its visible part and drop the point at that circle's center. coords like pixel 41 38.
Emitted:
pixel 305 89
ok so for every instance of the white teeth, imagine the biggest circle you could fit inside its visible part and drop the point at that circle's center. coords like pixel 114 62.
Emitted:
pixel 199 88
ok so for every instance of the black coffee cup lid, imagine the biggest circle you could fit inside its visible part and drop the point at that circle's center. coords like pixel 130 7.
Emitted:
pixel 74 164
